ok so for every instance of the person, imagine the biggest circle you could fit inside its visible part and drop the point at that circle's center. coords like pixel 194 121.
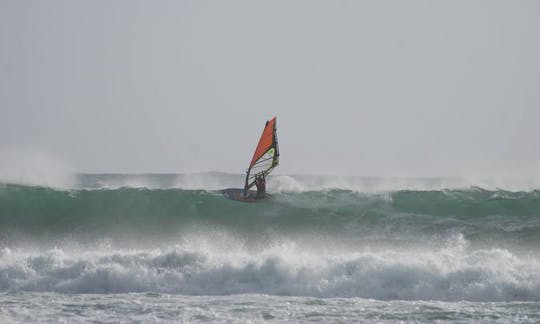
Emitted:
pixel 260 183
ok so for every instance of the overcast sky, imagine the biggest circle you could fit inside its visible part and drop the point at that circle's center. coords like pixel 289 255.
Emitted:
pixel 375 88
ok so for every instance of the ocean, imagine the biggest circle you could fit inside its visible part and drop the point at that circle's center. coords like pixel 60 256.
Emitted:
pixel 331 249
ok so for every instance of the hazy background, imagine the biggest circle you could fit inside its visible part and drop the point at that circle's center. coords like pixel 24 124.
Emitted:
pixel 376 88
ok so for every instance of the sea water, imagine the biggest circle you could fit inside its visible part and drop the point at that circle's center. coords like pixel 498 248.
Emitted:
pixel 171 248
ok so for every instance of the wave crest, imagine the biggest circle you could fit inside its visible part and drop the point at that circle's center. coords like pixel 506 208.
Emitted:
pixel 453 274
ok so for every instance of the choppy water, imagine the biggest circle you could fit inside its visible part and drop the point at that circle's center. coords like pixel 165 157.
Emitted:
pixel 171 248
pixel 153 307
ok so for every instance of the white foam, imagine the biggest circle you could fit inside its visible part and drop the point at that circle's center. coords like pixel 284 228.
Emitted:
pixel 214 265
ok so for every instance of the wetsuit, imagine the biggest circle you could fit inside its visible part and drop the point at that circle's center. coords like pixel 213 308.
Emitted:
pixel 261 188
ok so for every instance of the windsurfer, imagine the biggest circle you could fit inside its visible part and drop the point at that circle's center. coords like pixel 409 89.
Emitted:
pixel 260 183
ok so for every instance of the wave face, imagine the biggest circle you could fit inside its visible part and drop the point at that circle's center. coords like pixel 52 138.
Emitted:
pixel 419 243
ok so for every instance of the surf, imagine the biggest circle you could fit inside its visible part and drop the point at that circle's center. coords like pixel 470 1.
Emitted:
pixel 220 265
pixel 317 237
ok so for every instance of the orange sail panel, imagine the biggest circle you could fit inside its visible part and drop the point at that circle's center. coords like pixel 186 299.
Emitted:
pixel 266 156
pixel 265 142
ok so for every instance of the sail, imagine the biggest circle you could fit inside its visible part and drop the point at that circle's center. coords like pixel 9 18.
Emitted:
pixel 266 156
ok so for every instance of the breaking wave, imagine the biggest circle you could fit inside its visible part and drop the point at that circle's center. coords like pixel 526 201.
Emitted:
pixel 204 268
pixel 427 243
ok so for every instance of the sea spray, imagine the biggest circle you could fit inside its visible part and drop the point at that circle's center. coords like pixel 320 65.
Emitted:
pixel 35 167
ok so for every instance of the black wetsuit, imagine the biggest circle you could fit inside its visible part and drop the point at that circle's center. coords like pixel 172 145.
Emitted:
pixel 261 188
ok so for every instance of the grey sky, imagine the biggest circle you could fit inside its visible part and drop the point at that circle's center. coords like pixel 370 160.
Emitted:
pixel 405 88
